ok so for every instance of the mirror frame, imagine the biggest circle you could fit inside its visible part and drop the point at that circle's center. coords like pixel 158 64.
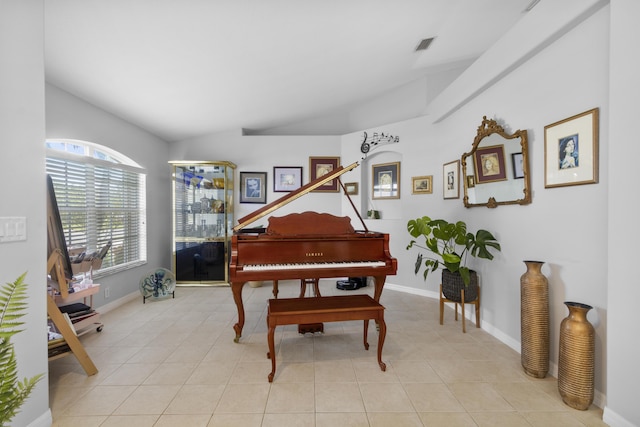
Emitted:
pixel 487 128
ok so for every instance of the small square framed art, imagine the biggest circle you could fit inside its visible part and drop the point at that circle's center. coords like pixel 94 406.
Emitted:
pixel 319 166
pixel 422 184
pixel 253 187
pixel 286 178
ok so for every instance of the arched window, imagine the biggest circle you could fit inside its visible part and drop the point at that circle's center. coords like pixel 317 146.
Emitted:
pixel 101 198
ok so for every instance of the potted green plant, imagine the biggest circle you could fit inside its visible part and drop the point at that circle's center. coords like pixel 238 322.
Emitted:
pixel 448 245
pixel 13 393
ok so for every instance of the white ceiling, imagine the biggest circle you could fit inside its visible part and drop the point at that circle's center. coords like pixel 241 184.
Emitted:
pixel 183 68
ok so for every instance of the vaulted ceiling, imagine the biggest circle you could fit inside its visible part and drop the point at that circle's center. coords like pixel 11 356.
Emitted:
pixel 184 68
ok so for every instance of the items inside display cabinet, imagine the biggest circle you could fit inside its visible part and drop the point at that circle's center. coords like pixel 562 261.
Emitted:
pixel 203 218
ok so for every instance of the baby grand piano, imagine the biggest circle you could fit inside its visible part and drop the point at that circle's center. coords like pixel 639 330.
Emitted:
pixel 305 245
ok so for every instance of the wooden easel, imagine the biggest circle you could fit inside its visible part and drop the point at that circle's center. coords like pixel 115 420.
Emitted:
pixel 69 335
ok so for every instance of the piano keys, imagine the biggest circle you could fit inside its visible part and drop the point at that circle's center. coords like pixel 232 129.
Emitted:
pixel 313 265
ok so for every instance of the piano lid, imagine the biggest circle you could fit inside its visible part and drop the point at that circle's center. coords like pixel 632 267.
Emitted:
pixel 290 197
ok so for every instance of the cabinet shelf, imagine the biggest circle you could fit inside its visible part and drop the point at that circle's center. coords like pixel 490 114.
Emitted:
pixel 199 239
pixel 78 295
pixel 71 343
pixel 88 324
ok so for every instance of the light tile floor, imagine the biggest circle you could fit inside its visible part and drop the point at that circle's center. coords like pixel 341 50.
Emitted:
pixel 173 362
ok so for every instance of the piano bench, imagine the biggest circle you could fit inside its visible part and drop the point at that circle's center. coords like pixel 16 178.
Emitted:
pixel 292 311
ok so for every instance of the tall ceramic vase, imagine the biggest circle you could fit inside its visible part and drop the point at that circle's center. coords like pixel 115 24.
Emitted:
pixel 534 320
pixel 576 362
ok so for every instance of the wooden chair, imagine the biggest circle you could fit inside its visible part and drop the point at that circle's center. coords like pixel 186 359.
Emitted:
pixel 443 299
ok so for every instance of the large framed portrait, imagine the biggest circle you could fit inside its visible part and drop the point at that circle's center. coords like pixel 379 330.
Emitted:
pixel 386 180
pixel 253 187
pixel 422 184
pixel 451 180
pixel 571 151
pixel 286 178
pixel 489 164
pixel 319 166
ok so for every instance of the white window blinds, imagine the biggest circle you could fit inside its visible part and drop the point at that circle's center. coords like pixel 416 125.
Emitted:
pixel 100 202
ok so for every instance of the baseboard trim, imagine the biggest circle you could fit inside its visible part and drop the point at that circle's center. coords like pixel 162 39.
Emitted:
pixel 44 420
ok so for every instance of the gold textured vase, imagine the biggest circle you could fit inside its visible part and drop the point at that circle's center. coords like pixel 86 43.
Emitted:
pixel 576 362
pixel 534 320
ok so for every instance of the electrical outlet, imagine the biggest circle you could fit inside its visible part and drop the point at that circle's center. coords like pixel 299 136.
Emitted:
pixel 107 292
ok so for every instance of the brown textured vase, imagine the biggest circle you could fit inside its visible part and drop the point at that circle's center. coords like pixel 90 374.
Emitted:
pixel 534 320
pixel 576 362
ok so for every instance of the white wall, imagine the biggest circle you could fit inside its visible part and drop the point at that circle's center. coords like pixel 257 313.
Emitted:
pixel 22 188
pixel 564 72
pixel 623 292
pixel 73 118
pixel 554 228
pixel 565 227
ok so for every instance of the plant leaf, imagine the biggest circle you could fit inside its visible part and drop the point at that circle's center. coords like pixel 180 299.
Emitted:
pixel 12 306
pixel 13 393
pixel 418 263
pixel 466 276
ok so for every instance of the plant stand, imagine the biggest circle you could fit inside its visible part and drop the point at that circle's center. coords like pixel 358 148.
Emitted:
pixel 475 302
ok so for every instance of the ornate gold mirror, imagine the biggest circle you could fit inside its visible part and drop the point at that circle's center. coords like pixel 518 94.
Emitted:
pixel 496 170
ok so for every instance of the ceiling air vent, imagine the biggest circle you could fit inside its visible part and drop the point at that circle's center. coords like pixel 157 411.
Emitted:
pixel 424 44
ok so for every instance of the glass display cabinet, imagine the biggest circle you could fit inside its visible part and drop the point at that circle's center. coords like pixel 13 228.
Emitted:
pixel 202 221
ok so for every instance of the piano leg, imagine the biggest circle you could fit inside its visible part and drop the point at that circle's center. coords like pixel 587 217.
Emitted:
pixel 236 288
pixel 303 287
pixel 379 286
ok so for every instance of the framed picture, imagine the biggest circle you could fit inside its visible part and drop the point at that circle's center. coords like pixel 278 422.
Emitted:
pixel 286 178
pixel 571 151
pixel 253 187
pixel 422 184
pixel 386 180
pixel 471 181
pixel 489 164
pixel 351 188
pixel 451 180
pixel 518 171
pixel 319 166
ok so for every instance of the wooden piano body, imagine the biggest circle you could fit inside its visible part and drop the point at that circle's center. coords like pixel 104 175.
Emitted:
pixel 306 245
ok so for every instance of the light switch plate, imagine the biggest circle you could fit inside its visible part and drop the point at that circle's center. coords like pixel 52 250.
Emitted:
pixel 13 229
